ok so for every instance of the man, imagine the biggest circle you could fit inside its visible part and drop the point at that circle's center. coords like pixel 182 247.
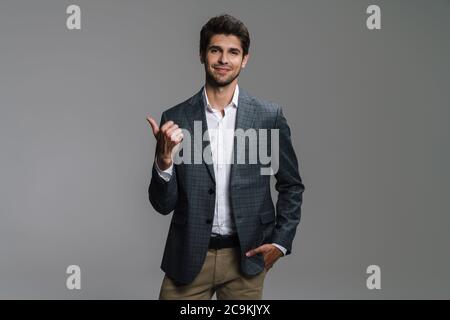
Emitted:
pixel 224 235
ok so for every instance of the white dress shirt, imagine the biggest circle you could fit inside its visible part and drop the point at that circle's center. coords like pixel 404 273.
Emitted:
pixel 221 133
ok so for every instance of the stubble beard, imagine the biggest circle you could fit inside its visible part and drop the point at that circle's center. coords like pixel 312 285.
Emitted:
pixel 218 82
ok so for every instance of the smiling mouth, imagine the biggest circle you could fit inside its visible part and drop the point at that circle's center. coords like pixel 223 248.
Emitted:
pixel 222 70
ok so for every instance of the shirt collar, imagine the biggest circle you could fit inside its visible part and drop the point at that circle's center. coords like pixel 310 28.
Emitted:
pixel 234 100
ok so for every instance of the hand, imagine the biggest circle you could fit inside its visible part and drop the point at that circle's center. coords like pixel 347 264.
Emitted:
pixel 167 137
pixel 270 253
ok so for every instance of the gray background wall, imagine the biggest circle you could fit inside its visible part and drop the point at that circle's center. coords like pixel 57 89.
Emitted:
pixel 368 110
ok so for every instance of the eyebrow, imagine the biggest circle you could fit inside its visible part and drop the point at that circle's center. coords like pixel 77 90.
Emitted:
pixel 220 48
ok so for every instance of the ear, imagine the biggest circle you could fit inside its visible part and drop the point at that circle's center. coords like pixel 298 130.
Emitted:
pixel 245 60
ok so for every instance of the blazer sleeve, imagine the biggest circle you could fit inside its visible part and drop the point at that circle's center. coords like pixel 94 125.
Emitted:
pixel 289 186
pixel 163 194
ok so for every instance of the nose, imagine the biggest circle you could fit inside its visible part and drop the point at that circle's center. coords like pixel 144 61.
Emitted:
pixel 223 59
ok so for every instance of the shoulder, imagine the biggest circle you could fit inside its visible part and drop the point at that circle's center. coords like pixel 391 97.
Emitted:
pixel 179 109
pixel 264 107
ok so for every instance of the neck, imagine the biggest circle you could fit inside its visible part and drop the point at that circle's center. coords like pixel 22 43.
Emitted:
pixel 220 97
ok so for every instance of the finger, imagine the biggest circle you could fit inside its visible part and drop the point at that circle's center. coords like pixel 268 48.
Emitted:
pixel 178 137
pixel 254 251
pixel 171 130
pixel 166 125
pixel 174 135
pixel 181 137
pixel 155 127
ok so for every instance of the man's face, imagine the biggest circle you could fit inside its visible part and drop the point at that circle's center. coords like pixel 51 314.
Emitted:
pixel 224 59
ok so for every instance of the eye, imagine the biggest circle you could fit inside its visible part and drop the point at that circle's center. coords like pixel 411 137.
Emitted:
pixel 213 50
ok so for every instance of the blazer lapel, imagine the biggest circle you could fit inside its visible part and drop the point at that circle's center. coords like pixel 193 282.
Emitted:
pixel 245 111
pixel 244 120
pixel 196 112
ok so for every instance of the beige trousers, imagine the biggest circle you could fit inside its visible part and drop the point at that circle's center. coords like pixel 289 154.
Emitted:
pixel 221 275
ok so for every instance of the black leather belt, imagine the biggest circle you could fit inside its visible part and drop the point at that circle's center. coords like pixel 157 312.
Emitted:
pixel 220 242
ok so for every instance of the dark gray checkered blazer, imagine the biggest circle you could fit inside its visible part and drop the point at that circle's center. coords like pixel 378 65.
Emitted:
pixel 190 193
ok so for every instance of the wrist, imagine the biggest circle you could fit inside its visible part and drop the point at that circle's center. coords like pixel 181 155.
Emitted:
pixel 164 162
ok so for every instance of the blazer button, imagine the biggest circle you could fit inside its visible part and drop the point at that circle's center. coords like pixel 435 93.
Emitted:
pixel 208 221
pixel 211 191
